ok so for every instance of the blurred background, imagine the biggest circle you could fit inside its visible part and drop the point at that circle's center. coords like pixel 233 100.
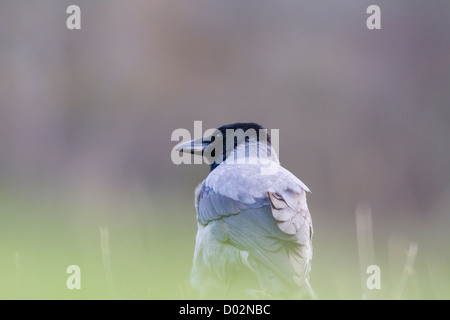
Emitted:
pixel 86 118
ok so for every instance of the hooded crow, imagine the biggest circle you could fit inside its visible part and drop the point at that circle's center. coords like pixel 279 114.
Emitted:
pixel 252 214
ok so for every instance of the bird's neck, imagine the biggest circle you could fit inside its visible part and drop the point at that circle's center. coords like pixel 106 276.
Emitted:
pixel 250 152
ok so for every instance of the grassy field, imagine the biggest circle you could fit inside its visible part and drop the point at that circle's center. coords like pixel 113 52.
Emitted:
pixel 131 248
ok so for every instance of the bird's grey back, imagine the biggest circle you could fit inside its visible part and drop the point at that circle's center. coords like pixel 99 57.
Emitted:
pixel 236 202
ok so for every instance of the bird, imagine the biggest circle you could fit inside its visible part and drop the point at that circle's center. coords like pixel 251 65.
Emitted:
pixel 252 216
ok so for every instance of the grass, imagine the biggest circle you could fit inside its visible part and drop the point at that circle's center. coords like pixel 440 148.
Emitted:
pixel 135 248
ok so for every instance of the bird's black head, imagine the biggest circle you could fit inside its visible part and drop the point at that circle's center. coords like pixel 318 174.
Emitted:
pixel 247 139
pixel 232 135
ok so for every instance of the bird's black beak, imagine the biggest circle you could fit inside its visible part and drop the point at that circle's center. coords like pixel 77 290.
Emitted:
pixel 194 146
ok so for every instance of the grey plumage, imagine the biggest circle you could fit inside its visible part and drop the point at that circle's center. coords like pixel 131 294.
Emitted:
pixel 248 218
